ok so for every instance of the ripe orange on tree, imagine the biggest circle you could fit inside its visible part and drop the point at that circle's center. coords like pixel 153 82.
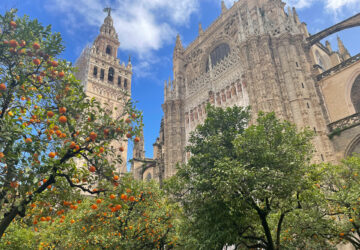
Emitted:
pixel 121 149
pixel 13 24
pixel 62 110
pixel 36 46
pixel 137 139
pixel 116 177
pixel 92 169
pixel 28 140
pixel 62 119
pixel 123 197
pixel 2 87
pixel 52 154
pixel 14 184
pixel 37 61
pixel 13 43
pixel 98 201
pixel 93 136
pixel 112 196
pixel 50 114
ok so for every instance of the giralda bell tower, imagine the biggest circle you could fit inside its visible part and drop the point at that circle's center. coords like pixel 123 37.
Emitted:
pixel 105 77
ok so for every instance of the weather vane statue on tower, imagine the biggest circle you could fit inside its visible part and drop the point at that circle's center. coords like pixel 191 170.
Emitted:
pixel 108 10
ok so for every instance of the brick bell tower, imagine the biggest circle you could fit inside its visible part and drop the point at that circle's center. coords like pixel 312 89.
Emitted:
pixel 106 78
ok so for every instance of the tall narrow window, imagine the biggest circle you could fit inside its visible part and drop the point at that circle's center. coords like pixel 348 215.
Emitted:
pixel 355 94
pixel 108 50
pixel 125 83
pixel 102 74
pixel 307 104
pixel 95 71
pixel 302 85
pixel 119 81
pixel 111 75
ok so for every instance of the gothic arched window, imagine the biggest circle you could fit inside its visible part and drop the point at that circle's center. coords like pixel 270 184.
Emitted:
pixel 148 177
pixel 95 71
pixel 125 83
pixel 111 75
pixel 108 50
pixel 119 81
pixel 102 73
pixel 218 54
pixel 355 94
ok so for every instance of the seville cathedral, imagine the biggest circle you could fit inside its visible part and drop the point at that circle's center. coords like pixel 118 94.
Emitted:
pixel 254 54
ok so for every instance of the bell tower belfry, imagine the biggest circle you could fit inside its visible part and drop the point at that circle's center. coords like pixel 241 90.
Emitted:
pixel 106 78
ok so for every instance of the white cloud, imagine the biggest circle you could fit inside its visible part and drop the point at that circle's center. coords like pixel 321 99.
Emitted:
pixel 300 4
pixel 143 26
pixel 334 6
pixel 337 6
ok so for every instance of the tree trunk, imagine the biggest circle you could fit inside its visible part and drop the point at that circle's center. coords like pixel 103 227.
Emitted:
pixel 7 220
pixel 266 230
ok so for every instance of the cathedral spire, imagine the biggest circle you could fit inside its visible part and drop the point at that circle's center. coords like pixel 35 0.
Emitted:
pixel 201 31
pixel 179 49
pixel 342 50
pixel 223 6
pixel 296 17
pixel 328 46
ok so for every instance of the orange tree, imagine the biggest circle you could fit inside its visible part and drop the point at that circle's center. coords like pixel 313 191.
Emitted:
pixel 249 187
pixel 133 215
pixel 340 201
pixel 50 131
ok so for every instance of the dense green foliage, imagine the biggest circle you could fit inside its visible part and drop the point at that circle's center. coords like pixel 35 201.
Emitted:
pixel 247 186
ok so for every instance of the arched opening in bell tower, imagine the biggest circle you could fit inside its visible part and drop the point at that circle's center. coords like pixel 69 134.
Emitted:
pixel 111 74
pixel 108 50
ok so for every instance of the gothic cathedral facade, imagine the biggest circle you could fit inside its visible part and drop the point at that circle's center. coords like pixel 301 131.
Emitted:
pixel 257 54
pixel 105 78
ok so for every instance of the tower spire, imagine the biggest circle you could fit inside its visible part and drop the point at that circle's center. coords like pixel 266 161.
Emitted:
pixel 296 17
pixel 107 28
pixel 201 31
pixel 178 44
pixel 328 46
pixel 342 50
pixel 223 6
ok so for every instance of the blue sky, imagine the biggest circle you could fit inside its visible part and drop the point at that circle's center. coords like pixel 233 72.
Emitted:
pixel 147 31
